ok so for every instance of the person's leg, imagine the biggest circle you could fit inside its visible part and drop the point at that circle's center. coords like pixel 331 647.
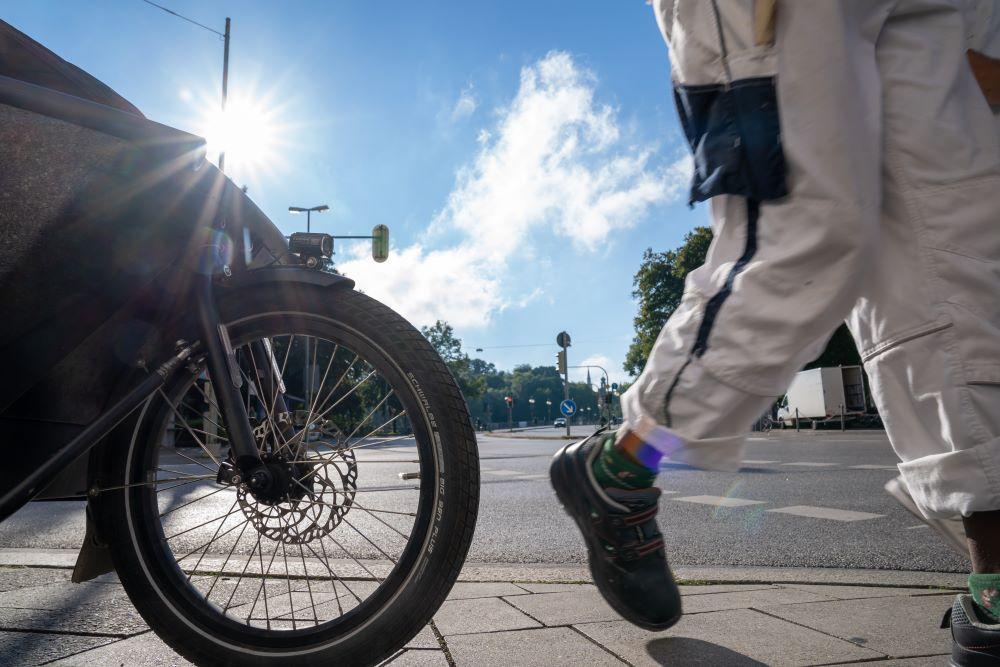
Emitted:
pixel 928 321
pixel 776 284
pixel 783 269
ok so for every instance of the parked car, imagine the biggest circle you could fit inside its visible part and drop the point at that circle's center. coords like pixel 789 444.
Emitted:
pixel 559 422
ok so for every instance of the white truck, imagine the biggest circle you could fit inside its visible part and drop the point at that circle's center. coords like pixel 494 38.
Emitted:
pixel 825 394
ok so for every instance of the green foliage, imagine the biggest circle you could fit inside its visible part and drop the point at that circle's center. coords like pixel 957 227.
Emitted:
pixel 485 387
pixel 659 286
pixel 472 382
pixel 839 351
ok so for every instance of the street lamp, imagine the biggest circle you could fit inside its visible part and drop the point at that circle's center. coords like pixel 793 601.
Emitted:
pixel 308 211
pixel 548 409
pixel 531 403
pixel 307 379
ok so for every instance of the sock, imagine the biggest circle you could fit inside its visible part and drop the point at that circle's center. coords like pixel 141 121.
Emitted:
pixel 617 467
pixel 985 589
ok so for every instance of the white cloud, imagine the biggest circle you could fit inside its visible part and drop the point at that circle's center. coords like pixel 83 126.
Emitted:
pixel 553 164
pixel 466 104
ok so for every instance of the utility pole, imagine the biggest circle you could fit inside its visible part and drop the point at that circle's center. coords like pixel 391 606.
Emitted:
pixel 225 89
pixel 563 341
pixel 225 65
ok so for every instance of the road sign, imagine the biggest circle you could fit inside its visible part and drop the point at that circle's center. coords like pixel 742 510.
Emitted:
pixel 568 407
pixel 562 340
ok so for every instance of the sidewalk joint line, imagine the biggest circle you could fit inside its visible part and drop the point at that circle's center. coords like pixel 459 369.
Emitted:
pixel 761 611
pixel 885 659
pixel 511 604
pixel 94 648
pixel 81 633
pixel 442 643
pixel 599 645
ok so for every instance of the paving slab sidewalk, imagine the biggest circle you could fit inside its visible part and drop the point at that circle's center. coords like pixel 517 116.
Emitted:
pixel 45 619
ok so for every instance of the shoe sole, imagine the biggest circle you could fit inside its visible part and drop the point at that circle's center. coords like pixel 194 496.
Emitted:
pixel 557 477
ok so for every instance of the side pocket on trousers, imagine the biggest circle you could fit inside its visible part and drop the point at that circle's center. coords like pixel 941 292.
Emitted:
pixel 735 136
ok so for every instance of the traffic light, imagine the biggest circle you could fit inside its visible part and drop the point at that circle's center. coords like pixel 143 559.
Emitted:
pixel 561 361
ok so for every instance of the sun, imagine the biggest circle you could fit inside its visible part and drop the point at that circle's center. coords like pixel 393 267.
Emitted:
pixel 252 132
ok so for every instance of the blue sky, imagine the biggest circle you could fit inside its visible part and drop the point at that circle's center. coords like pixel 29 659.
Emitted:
pixel 523 153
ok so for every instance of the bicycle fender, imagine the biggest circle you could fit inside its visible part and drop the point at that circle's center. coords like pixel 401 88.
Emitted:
pixel 286 274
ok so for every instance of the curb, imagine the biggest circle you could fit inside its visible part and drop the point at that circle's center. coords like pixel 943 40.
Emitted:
pixel 518 436
pixel 579 573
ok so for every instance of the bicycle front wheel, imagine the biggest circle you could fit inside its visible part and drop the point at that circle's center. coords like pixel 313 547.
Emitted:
pixel 372 442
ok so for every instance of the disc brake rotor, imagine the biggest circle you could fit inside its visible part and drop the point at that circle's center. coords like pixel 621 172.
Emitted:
pixel 319 493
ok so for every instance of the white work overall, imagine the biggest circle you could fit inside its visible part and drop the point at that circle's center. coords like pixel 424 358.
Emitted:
pixel 891 221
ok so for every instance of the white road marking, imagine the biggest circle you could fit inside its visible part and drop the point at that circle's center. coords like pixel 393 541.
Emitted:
pixel 923 525
pixel 871 466
pixel 826 513
pixel 809 464
pixel 504 473
pixel 756 462
pixel 720 501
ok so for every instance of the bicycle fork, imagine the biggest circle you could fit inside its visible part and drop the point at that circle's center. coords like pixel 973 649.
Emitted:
pixel 225 374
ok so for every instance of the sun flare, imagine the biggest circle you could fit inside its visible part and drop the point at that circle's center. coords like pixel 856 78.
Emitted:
pixel 251 131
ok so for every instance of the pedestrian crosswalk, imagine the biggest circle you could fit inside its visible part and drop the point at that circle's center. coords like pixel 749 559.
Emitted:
pixel 836 514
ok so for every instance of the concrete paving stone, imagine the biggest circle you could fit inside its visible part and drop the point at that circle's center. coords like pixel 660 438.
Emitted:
pixel 528 648
pixel 19 577
pixel 566 608
pixel 118 618
pixel 860 592
pixel 763 597
pixel 480 615
pixel 419 658
pixel 424 639
pixel 899 627
pixel 556 588
pixel 734 638
pixel 61 595
pixel 34 648
pixel 146 649
pixel 468 590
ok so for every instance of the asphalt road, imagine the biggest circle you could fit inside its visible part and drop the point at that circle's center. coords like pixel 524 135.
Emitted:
pixel 807 501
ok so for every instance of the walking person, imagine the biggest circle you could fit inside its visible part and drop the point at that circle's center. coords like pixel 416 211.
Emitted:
pixel 852 165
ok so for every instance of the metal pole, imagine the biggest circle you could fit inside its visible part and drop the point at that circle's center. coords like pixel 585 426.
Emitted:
pixel 225 88
pixel 841 416
pixel 796 420
pixel 566 387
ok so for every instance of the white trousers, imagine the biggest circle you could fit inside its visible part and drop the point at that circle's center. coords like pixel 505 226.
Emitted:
pixel 892 222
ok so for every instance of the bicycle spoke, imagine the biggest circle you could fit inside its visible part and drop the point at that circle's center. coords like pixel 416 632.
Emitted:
pixel 351 408
pixel 191 502
pixel 188 427
pixel 204 523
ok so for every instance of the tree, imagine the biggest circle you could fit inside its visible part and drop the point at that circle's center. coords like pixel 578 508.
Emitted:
pixel 442 336
pixel 659 286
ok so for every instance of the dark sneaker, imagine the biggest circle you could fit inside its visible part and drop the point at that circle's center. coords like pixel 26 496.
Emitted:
pixel 625 547
pixel 974 642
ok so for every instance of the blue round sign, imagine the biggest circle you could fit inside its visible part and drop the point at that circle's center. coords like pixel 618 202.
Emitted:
pixel 568 407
